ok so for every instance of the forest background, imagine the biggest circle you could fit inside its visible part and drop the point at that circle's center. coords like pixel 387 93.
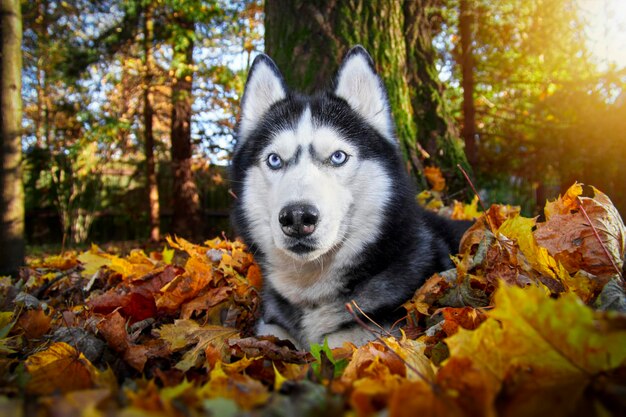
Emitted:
pixel 129 106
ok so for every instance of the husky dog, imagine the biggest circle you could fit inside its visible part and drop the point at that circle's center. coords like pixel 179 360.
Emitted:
pixel 325 205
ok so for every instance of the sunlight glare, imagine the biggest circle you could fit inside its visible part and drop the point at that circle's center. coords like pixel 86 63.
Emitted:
pixel 606 31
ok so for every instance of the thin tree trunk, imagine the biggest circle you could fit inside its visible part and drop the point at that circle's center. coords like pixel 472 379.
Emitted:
pixel 12 204
pixel 148 116
pixel 186 202
pixel 467 66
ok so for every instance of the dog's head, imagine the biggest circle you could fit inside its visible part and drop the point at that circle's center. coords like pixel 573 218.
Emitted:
pixel 312 173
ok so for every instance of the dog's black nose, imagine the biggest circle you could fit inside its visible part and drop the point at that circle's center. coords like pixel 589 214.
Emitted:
pixel 298 220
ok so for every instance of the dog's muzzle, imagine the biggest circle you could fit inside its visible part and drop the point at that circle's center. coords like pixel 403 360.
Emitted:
pixel 298 220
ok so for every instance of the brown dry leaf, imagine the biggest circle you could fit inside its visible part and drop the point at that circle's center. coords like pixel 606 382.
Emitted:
pixel 34 323
pixel 60 368
pixel 447 289
pixel 551 272
pixel 489 222
pixel 269 347
pixel 570 239
pixel 184 333
pixel 113 329
pixel 206 301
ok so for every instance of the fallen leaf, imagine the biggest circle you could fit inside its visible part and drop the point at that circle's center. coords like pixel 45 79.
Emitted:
pixel 60 368
pixel 571 240
pixel 82 403
pixel 137 299
pixel 206 301
pixel 463 317
pixel 34 323
pixel 268 347
pixel 247 392
pixel 92 260
pixel 543 352
pixel 184 333
pixel 198 275
pixel 435 178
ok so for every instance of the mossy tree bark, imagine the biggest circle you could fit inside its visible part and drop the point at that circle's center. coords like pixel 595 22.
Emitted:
pixel 307 40
pixel 12 203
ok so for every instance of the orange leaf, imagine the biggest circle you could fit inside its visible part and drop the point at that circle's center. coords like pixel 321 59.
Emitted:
pixel 34 323
pixel 60 368
pixel 464 317
pixel 435 178
pixel 186 286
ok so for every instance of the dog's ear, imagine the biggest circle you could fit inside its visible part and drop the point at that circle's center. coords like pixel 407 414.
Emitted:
pixel 264 87
pixel 358 84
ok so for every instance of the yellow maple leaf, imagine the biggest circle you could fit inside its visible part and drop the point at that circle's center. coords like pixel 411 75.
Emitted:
pixel 564 204
pixel 461 211
pixel 93 259
pixel 60 368
pixel 539 353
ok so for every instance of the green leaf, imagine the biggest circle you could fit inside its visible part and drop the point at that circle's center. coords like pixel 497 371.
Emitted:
pixel 168 255
pixel 318 351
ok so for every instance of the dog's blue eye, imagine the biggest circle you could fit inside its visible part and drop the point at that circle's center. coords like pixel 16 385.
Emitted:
pixel 338 158
pixel 274 161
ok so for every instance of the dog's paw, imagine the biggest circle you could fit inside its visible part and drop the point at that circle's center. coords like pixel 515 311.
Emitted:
pixel 355 335
pixel 265 329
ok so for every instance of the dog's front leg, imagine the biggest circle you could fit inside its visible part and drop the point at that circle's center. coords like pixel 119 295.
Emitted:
pixel 334 323
pixel 265 329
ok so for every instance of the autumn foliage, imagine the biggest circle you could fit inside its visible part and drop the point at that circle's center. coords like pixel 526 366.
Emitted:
pixel 532 321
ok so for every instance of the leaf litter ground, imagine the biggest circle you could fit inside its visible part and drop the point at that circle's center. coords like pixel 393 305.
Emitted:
pixel 532 321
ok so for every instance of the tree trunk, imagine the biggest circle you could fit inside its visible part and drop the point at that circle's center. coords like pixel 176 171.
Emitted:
pixel 148 116
pixel 436 131
pixel 186 202
pixel 467 67
pixel 308 41
pixel 12 205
